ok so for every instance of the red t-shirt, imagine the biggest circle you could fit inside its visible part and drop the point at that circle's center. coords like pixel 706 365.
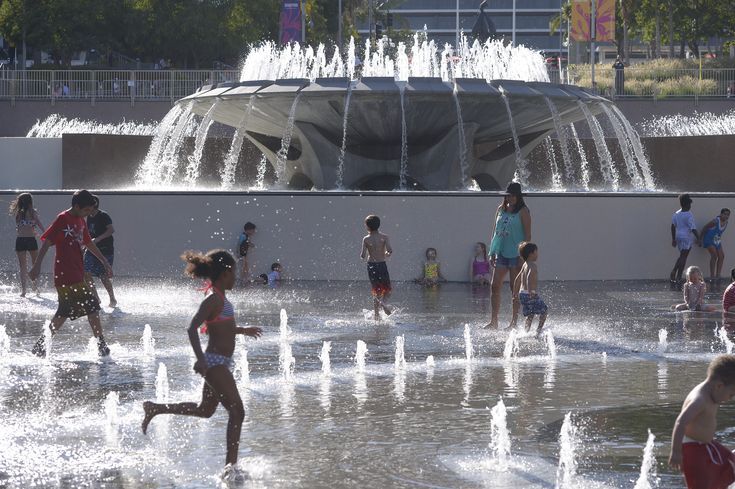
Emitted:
pixel 68 233
pixel 728 298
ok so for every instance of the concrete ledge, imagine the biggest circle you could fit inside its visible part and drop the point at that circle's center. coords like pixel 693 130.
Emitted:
pixel 30 163
pixel 317 235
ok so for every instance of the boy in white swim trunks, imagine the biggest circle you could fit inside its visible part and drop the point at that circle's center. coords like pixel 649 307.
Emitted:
pixel 683 235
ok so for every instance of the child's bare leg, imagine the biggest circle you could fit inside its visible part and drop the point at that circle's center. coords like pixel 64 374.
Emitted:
pixel 529 320
pixel 720 261
pixel 23 272
pixel 541 321
pixel 244 269
pixel 516 309
pixel 204 409
pixel 712 261
pixel 495 289
pixel 95 324
pixel 108 287
pixel 376 308
pixel 681 263
pixel 384 304
pixel 224 384
pixel 34 255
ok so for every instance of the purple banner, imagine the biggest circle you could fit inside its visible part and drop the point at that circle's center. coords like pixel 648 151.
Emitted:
pixel 291 21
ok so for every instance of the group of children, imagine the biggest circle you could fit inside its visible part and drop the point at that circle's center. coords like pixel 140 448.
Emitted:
pixel 684 236
pixel 244 244
pixel 704 462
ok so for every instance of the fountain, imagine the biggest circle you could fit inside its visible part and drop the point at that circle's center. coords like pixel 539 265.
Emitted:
pixel 400 360
pixel 147 342
pixel 286 362
pixel 566 472
pixel 4 341
pixel 468 351
pixel 324 357
pixel 360 354
pixel 510 350
pixel 283 327
pixel 721 334
pixel 162 387
pixel 648 478
pixel 499 437
pixel 294 107
pixel 663 344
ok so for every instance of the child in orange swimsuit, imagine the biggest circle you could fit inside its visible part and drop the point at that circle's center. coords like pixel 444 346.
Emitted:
pixel 214 364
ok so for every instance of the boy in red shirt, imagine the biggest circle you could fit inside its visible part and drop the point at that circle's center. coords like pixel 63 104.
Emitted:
pixel 69 234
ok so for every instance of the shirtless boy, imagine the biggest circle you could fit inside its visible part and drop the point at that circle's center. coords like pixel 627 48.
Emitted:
pixel 375 249
pixel 525 287
pixel 706 463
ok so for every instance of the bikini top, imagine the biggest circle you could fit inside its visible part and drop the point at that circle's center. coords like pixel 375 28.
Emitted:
pixel 227 312
pixel 431 270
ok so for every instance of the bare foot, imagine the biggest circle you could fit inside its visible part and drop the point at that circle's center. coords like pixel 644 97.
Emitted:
pixel 491 325
pixel 388 310
pixel 113 304
pixel 148 409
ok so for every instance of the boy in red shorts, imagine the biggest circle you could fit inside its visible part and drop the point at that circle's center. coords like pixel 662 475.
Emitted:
pixel 69 234
pixel 706 463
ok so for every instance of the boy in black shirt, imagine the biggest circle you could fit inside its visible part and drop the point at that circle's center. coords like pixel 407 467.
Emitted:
pixel 100 229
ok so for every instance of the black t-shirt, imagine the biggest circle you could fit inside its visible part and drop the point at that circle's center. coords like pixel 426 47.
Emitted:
pixel 98 225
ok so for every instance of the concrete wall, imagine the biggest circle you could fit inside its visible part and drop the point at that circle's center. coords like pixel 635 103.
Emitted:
pixel 16 120
pixel 30 163
pixel 317 235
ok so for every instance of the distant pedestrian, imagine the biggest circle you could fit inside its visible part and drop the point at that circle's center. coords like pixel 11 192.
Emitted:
pixel 244 245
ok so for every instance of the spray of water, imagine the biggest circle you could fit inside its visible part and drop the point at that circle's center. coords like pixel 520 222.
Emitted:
pixel 162 388
pixel 195 159
pixel 721 334
pixel 662 341
pixel 324 357
pixel 147 342
pixel 521 163
pixel 284 329
pixel 510 350
pixel 648 478
pixel 499 437
pixel 400 360
pixel 4 342
pixel 550 343
pixel 468 350
pixel 566 472
pixel 360 354
pixel 282 156
pixel 112 402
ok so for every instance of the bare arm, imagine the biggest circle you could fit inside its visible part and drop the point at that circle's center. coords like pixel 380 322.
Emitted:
pixel 108 232
pixel 38 222
pixel 206 310
pixel 388 248
pixel 526 221
pixel 363 252
pixel 472 270
pixel 253 331
pixel 439 272
pixel 707 227
pixel 533 280
pixel 673 234
pixel 677 436
pixel 36 268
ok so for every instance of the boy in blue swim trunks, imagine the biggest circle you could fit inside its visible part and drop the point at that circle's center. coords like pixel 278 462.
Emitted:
pixel 525 288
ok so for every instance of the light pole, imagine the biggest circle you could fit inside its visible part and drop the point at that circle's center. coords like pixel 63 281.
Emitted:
pixel 513 27
pixel 339 25
pixel 593 35
pixel 457 27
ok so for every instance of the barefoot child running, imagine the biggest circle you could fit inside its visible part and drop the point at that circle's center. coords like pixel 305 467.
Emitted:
pixel 706 463
pixel 69 234
pixel 525 287
pixel 375 249
pixel 215 365
pixel 26 222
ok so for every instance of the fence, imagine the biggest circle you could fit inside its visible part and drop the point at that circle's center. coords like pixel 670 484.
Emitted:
pixel 138 85
pixel 656 83
pixel 158 85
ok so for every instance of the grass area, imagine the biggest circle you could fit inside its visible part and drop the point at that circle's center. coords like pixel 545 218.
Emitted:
pixel 662 77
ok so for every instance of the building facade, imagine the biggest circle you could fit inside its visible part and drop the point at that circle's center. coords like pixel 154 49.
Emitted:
pixel 443 18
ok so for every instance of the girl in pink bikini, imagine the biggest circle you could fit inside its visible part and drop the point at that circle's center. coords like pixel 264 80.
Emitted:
pixel 480 265
pixel 215 364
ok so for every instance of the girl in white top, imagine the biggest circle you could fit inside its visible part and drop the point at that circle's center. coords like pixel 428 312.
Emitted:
pixel 26 222
pixel 694 290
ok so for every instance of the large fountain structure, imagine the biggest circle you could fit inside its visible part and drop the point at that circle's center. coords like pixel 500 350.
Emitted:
pixel 440 152
pixel 413 119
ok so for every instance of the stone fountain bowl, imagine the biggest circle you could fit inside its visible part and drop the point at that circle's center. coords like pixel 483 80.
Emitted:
pixel 439 155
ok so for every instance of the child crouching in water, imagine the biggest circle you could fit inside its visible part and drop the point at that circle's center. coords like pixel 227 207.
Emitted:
pixel 215 365
pixel 705 462
pixel 694 290
pixel 525 287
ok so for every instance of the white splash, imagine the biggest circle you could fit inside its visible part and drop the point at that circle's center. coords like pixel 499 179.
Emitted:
pixel 468 351
pixel 162 388
pixel 4 341
pixel 112 403
pixel 499 437
pixel 566 472
pixel 286 362
pixel 721 334
pixel 360 354
pixel 511 345
pixel 324 357
pixel 147 342
pixel 430 361
pixel 648 478
pixel 550 343
pixel 284 329
pixel 400 360
pixel 662 341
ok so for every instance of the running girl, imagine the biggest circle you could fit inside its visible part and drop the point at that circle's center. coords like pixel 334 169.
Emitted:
pixel 26 222
pixel 215 365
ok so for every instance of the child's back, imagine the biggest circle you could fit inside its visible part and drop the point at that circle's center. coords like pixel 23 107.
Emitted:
pixel 376 244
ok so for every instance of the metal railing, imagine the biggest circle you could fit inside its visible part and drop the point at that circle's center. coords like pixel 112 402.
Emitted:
pixel 171 85
pixel 656 83
pixel 98 85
